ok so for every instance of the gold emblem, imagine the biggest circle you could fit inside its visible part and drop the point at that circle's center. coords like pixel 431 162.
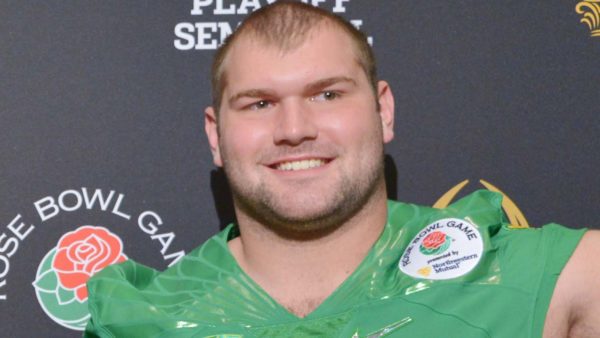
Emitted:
pixel 515 216
pixel 425 272
pixel 591 15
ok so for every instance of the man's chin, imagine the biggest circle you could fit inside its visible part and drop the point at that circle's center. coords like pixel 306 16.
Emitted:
pixel 302 223
pixel 309 210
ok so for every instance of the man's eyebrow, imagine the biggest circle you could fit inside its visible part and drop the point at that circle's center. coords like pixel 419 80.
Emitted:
pixel 251 93
pixel 309 88
pixel 324 83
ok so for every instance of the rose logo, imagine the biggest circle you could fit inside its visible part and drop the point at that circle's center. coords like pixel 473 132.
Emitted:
pixel 62 274
pixel 435 243
pixel 81 253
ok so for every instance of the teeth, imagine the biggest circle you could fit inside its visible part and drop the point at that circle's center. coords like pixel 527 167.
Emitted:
pixel 300 165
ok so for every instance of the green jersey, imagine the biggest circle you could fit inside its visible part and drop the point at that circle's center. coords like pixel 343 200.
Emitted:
pixel 461 272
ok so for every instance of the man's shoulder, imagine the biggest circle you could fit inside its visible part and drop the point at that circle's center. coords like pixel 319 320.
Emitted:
pixel 204 286
pixel 521 253
pixel 516 263
pixel 483 208
pixel 201 262
pixel 213 252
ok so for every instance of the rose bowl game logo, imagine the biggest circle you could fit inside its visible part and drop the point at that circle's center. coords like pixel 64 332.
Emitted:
pixel 61 276
pixel 435 243
pixel 445 249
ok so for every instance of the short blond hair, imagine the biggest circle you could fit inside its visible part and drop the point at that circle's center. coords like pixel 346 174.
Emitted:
pixel 286 25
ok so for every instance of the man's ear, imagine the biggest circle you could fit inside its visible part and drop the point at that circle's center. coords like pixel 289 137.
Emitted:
pixel 386 110
pixel 211 128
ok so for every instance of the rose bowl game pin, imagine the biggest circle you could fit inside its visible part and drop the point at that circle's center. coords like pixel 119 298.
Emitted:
pixel 445 249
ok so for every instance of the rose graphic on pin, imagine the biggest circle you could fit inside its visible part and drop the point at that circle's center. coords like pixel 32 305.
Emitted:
pixel 435 243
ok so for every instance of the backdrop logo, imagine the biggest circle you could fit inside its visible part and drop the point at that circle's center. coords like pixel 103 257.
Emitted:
pixel 66 265
pixel 209 34
pixel 514 214
pixel 590 9
pixel 62 273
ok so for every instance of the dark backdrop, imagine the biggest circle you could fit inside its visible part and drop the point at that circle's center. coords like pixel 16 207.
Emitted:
pixel 96 97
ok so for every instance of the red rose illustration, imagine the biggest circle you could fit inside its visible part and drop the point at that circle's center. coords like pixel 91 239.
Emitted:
pixel 82 253
pixel 434 240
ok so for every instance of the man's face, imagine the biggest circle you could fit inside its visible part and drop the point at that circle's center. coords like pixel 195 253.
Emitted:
pixel 299 136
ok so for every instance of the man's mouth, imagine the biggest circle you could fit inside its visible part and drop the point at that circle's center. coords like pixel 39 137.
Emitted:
pixel 300 164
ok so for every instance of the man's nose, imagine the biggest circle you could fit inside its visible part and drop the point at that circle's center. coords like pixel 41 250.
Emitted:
pixel 295 124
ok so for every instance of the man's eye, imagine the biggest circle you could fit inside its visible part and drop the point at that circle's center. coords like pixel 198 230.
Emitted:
pixel 262 104
pixel 326 96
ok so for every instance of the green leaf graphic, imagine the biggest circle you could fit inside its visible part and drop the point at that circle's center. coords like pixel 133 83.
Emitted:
pixel 65 296
pixel 77 325
pixel 57 302
pixel 46 282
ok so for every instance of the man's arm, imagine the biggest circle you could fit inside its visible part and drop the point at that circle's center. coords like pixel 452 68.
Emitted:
pixel 574 311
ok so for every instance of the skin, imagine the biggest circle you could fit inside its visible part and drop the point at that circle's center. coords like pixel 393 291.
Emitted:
pixel 575 306
pixel 314 102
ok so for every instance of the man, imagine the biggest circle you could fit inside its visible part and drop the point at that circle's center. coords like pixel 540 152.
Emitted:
pixel 298 124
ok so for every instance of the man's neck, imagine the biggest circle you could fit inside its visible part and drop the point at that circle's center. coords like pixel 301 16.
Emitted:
pixel 300 275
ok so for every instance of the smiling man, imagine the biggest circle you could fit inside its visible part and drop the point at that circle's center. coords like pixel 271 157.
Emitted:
pixel 301 141
pixel 298 124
